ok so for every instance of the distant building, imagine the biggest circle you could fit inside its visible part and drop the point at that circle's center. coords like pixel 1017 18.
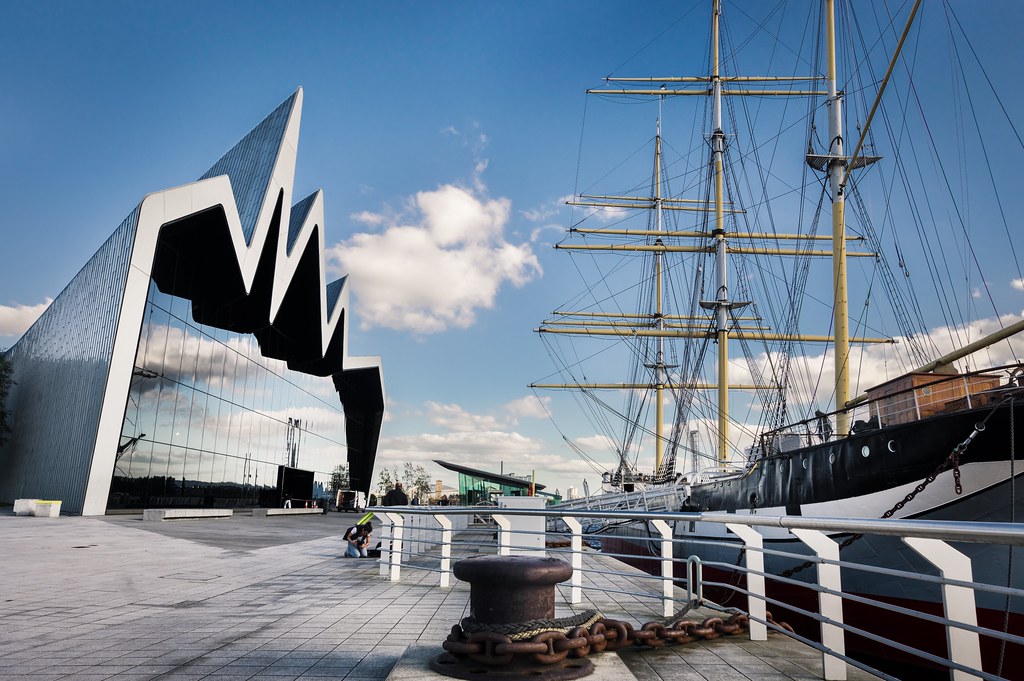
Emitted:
pixel 571 493
pixel 167 372
pixel 477 486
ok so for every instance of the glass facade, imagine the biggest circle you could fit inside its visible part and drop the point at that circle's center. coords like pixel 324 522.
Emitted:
pixel 61 367
pixel 209 420
pixel 475 490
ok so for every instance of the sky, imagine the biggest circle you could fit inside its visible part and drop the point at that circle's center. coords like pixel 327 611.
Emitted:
pixel 445 135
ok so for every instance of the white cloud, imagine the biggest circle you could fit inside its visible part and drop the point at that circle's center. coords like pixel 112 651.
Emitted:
pixel 368 218
pixel 546 211
pixel 872 365
pixel 1018 284
pixel 486 450
pixel 529 406
pixel 596 444
pixel 455 418
pixel 15 319
pixel 482 448
pixel 437 265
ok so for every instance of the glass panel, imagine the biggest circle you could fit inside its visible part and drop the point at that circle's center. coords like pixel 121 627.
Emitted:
pixel 215 417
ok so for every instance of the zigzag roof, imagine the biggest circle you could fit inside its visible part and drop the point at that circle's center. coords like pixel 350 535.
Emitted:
pixel 228 244
pixel 269 273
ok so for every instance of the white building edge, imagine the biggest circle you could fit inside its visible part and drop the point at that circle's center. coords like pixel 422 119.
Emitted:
pixel 217 237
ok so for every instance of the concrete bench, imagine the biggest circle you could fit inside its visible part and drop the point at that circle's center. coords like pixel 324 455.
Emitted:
pixel 185 513
pixel 267 512
pixel 41 508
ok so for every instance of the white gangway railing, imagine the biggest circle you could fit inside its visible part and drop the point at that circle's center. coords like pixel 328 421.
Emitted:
pixel 422 537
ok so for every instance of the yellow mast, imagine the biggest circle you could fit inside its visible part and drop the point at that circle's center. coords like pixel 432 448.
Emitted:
pixel 837 181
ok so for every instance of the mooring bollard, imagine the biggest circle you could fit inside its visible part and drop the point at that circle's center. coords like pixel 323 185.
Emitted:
pixel 507 589
pixel 510 597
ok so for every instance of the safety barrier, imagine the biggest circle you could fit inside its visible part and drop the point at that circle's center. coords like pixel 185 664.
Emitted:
pixel 422 538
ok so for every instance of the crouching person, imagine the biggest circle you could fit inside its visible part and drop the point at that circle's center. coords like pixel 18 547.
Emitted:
pixel 358 538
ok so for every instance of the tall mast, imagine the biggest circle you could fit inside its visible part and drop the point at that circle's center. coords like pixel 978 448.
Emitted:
pixel 722 298
pixel 659 316
pixel 712 240
pixel 837 182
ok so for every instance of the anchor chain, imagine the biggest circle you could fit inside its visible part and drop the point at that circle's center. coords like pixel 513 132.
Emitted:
pixel 552 644
pixel 952 460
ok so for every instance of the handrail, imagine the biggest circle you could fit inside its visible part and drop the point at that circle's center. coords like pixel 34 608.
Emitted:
pixel 927 538
pixel 983 532
pixel 862 400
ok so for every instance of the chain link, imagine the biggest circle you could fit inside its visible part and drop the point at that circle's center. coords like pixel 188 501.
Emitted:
pixel 952 460
pixel 495 649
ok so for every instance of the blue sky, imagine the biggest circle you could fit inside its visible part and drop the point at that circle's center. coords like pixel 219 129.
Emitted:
pixel 412 110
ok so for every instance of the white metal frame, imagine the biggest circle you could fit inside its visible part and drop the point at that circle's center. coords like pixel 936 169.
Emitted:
pixel 926 537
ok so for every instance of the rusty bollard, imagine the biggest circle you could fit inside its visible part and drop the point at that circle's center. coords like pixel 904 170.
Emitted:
pixel 506 591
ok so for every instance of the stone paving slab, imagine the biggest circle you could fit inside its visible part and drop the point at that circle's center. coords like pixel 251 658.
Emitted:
pixel 241 599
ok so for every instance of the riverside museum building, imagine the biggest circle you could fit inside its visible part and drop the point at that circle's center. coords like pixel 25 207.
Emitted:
pixel 200 355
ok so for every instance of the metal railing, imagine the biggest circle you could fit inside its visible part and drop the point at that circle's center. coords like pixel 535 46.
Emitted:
pixel 917 397
pixel 422 538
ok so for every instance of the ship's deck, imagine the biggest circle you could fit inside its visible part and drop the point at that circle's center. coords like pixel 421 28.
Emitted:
pixel 119 598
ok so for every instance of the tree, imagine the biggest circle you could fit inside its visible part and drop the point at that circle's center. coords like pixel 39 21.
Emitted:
pixel 339 478
pixel 5 387
pixel 416 480
pixel 386 479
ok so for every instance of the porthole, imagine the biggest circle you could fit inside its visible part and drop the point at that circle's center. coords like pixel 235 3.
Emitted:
pixel 805 464
pixel 865 451
pixel 892 446
pixel 831 457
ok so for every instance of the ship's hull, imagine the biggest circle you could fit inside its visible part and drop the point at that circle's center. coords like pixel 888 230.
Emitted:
pixel 839 480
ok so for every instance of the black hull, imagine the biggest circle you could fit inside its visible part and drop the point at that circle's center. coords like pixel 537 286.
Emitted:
pixel 863 464
pixel 836 479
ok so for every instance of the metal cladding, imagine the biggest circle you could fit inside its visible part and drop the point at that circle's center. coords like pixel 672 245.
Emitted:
pixel 249 262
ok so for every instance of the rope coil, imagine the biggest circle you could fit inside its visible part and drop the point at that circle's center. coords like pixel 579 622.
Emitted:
pixel 519 631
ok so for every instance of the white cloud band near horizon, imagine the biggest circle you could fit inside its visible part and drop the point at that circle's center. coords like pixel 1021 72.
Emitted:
pixel 16 319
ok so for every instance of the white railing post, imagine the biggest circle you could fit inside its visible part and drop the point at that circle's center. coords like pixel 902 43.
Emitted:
pixel 830 605
pixel 504 534
pixel 957 601
pixel 396 545
pixel 667 587
pixel 756 604
pixel 576 545
pixel 446 548
pixel 385 546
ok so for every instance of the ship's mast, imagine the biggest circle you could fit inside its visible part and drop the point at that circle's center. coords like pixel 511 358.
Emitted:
pixel 722 298
pixel 659 315
pixel 837 183
pixel 712 240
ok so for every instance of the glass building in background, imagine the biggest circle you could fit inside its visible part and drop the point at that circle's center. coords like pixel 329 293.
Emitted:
pixel 483 487
pixel 198 353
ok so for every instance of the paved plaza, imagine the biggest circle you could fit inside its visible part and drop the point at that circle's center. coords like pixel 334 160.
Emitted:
pixel 246 598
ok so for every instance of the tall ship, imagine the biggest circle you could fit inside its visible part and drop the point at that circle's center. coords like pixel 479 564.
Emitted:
pixel 795 308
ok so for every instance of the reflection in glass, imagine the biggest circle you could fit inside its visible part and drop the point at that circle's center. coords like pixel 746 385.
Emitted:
pixel 207 418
